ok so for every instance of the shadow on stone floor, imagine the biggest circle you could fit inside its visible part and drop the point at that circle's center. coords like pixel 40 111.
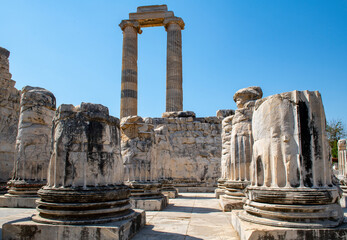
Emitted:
pixel 194 197
pixel 190 209
pixel 148 233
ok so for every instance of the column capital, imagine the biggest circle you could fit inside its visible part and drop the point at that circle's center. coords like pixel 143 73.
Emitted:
pixel 131 23
pixel 173 20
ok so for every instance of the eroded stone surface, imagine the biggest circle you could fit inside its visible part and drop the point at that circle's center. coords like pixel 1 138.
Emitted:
pixel 238 160
pixel 33 144
pixel 291 178
pixel 85 176
pixel 9 115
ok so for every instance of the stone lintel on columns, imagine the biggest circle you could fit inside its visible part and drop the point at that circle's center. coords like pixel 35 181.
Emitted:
pixel 131 23
pixel 173 20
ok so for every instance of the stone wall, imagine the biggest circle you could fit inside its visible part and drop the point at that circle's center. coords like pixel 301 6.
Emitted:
pixel 185 149
pixel 9 114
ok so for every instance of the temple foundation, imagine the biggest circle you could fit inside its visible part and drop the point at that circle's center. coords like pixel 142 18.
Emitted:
pixel 39 231
pixel 250 231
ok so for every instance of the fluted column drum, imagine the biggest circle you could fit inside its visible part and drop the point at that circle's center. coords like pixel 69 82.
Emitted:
pixel 342 163
pixel 86 170
pixel 174 92
pixel 291 182
pixel 241 143
pixel 33 143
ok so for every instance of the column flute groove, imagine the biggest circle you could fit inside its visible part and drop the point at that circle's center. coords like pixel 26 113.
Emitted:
pixel 129 68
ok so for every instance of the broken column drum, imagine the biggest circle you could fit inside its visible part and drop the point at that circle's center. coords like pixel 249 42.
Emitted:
pixel 225 159
pixel 9 116
pixel 140 164
pixel 241 143
pixel 151 16
pixel 291 182
pixel 33 145
pixel 342 163
pixel 85 176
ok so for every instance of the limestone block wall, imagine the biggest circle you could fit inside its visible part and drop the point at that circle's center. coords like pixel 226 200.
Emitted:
pixel 185 149
pixel 9 115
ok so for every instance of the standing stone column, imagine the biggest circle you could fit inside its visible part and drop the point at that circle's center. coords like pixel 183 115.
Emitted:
pixel 225 159
pixel 291 182
pixel 128 106
pixel 9 115
pixel 241 143
pixel 342 164
pixel 174 92
pixel 84 197
pixel 85 174
pixel 139 158
pixel 33 147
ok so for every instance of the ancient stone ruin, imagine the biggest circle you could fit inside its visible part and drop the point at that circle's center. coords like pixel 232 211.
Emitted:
pixel 140 164
pixel 342 168
pixel 241 144
pixel 33 147
pixel 88 174
pixel 85 176
pixel 151 16
pixel 9 115
pixel 291 179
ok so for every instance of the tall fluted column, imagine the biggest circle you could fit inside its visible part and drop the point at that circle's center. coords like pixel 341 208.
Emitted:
pixel 128 103
pixel 174 92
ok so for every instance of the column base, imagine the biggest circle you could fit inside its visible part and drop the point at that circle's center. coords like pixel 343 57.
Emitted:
pixel 250 231
pixel 28 229
pixel 172 193
pixel 227 203
pixel 343 201
pixel 218 192
pixel 149 204
pixel 18 202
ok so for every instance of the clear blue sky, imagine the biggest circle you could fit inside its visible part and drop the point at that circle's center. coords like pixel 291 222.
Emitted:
pixel 74 49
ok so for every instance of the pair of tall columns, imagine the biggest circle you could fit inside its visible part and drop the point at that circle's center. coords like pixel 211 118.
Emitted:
pixel 174 92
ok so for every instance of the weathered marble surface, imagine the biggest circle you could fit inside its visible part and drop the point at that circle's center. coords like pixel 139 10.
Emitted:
pixel 151 16
pixel 240 143
pixel 9 115
pixel 33 142
pixel 342 169
pixel 342 159
pixel 140 164
pixel 85 176
pixel 291 178
pixel 186 150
